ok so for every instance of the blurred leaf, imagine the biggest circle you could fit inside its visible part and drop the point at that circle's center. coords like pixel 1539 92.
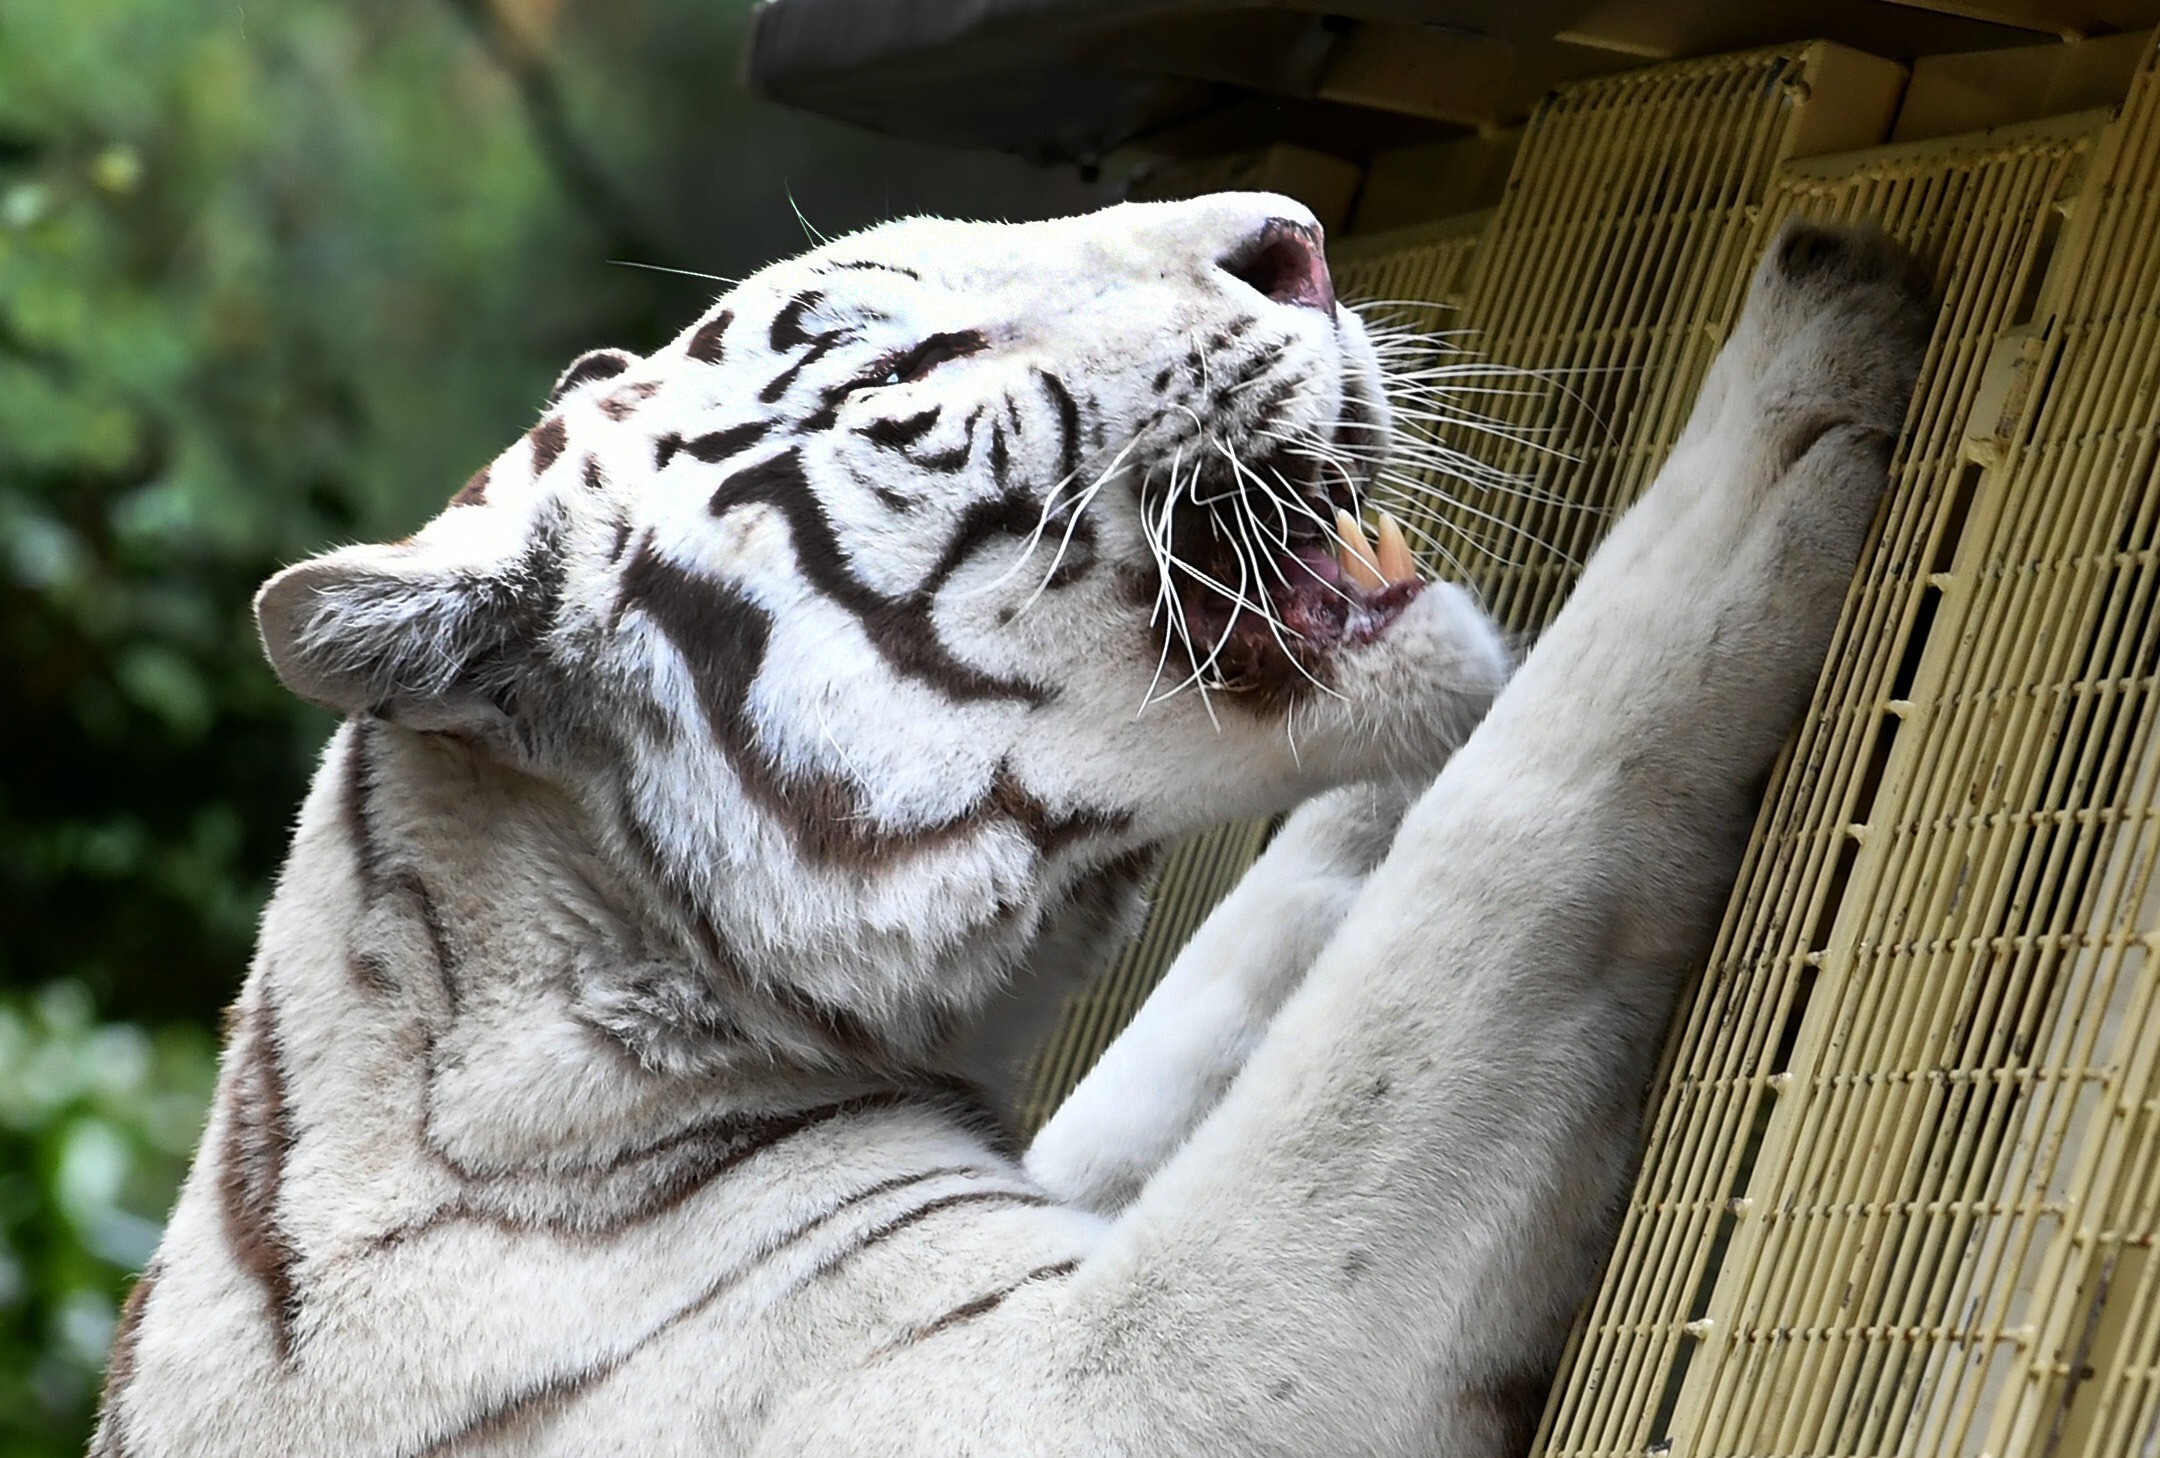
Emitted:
pixel 96 1121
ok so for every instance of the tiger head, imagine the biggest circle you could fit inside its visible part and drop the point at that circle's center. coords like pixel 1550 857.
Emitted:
pixel 923 578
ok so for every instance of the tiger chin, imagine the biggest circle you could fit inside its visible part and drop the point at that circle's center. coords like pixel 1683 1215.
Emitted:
pixel 739 772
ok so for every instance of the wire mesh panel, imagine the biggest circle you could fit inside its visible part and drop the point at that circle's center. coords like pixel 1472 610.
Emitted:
pixel 1899 1192
pixel 1612 268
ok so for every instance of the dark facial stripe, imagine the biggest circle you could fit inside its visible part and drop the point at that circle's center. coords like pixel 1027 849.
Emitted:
pixel 881 267
pixel 803 361
pixel 712 447
pixel 981 1305
pixel 903 432
pixel 1068 414
pixel 899 628
pixel 1010 514
pixel 623 403
pixel 953 457
pixel 721 637
pixel 251 1172
pixel 1050 832
pixel 946 462
pixel 594 364
pixel 706 345
pixel 595 478
pixel 548 439
pixel 474 491
pixel 787 326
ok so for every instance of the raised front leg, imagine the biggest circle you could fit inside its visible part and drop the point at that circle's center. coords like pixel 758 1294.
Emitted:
pixel 1170 1066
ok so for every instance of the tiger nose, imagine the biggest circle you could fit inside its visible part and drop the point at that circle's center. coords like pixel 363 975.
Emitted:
pixel 1283 261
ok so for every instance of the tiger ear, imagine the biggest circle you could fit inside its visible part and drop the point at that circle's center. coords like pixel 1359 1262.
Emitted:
pixel 417 633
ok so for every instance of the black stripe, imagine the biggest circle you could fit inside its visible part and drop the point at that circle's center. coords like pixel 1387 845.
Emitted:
pixel 602 1200
pixel 898 434
pixel 548 439
pixel 882 267
pixel 1050 831
pixel 474 491
pixel 108 1441
pixel 371 973
pixel 787 326
pixel 1000 458
pixel 556 1390
pixel 595 478
pixel 251 1172
pixel 1010 514
pixel 438 938
pixel 808 357
pixel 705 345
pixel 878 1234
pixel 983 1305
pixel 712 447
pixel 1068 424
pixel 954 457
pixel 721 637
pixel 356 800
pixel 900 628
pixel 623 403
pixel 594 364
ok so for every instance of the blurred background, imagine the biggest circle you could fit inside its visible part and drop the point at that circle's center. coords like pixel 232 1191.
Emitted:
pixel 276 274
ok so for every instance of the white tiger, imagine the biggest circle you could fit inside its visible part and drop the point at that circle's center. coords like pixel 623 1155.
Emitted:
pixel 732 788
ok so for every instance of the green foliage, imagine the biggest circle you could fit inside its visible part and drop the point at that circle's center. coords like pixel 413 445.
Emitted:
pixel 276 273
pixel 96 1122
pixel 234 322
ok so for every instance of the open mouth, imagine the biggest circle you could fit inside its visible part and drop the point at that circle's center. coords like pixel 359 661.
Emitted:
pixel 1269 572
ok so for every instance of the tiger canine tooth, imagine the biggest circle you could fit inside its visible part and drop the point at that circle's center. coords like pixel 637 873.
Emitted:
pixel 1356 551
pixel 1393 554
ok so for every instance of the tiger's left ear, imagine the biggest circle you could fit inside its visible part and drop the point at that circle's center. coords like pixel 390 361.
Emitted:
pixel 425 634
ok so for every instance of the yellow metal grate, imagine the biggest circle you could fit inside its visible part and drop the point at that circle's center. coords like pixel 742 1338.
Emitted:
pixel 1986 209
pixel 1613 266
pixel 1899 1193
